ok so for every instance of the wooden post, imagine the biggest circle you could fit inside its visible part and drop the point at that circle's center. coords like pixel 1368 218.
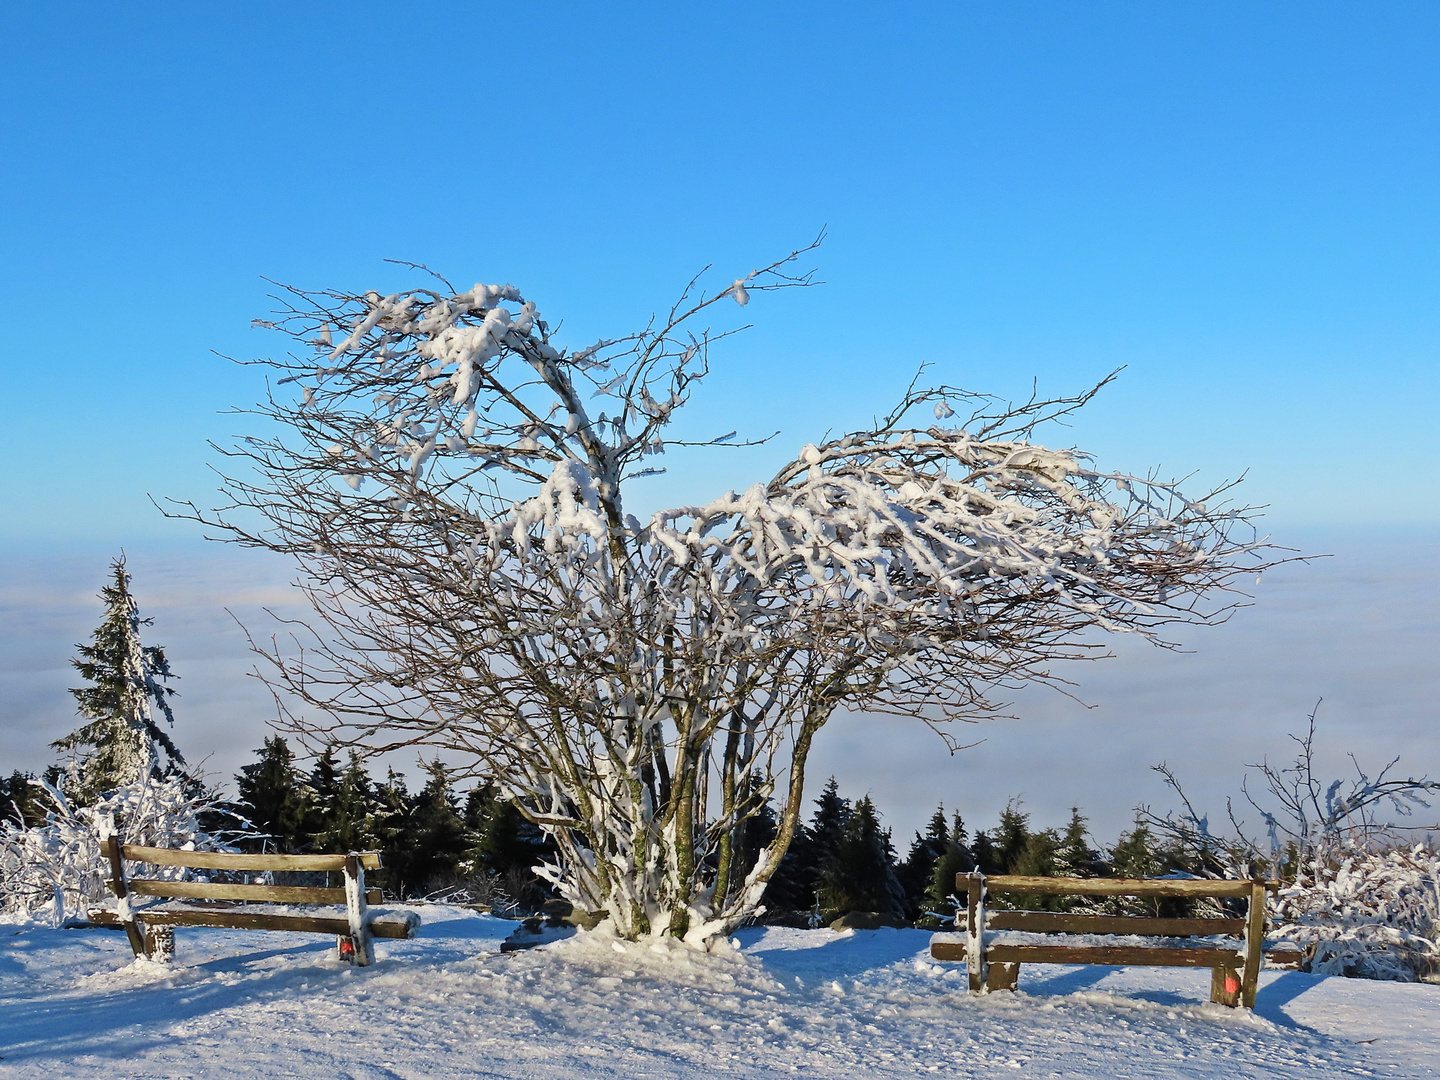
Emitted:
pixel 975 965
pixel 122 894
pixel 1002 976
pixel 160 943
pixel 356 910
pixel 1254 943
pixel 1225 986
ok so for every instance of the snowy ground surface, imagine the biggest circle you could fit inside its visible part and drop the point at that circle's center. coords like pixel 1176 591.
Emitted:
pixel 790 1002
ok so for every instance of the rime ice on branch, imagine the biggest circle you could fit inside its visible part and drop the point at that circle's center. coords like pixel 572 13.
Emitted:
pixel 451 480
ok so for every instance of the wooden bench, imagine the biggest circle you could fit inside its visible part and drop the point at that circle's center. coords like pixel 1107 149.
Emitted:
pixel 244 906
pixel 1234 970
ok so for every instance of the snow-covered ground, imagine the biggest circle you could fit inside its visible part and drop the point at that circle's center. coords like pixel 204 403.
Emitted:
pixel 789 1002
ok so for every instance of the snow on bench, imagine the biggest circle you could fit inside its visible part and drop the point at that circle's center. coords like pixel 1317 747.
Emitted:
pixel 344 912
pixel 996 943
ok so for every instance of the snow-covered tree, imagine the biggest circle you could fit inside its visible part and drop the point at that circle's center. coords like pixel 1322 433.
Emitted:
pixel 453 483
pixel 344 806
pixel 1361 896
pixel 123 740
pixel 1306 819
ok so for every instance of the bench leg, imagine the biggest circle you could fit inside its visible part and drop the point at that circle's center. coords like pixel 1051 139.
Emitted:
pixel 1225 986
pixel 1254 945
pixel 160 943
pixel 357 911
pixel 1004 976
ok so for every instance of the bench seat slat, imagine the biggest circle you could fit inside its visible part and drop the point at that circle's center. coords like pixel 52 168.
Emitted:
pixel 400 924
pixel 1119 955
pixel 218 860
pixel 208 890
pixel 1285 955
pixel 1112 954
pixel 1045 922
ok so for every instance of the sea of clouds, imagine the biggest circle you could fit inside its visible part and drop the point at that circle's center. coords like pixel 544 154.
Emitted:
pixel 1360 629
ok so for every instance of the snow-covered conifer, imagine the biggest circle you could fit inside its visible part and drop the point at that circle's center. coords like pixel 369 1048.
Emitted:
pixel 123 740
pixel 347 822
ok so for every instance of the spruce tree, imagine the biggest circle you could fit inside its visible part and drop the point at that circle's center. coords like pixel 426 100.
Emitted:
pixel 957 859
pixel 323 803
pixel 274 798
pixel 759 833
pixel 792 887
pixel 1134 856
pixel 352 828
pixel 439 831
pixel 987 856
pixel 1134 853
pixel 17 801
pixel 392 830
pixel 858 873
pixel 123 741
pixel 1040 858
pixel 1012 837
pixel 827 826
pixel 919 865
pixel 340 806
pixel 821 840
pixel 1076 858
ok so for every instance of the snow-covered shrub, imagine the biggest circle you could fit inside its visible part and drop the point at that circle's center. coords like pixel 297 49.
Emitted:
pixel 1361 900
pixel 60 868
pixel 452 483
pixel 1368 914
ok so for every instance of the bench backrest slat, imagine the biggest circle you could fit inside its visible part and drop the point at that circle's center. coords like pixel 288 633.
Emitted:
pixel 216 860
pixel 255 894
pixel 1048 886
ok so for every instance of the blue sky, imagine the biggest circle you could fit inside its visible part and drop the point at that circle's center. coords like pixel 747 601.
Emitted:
pixel 1241 202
